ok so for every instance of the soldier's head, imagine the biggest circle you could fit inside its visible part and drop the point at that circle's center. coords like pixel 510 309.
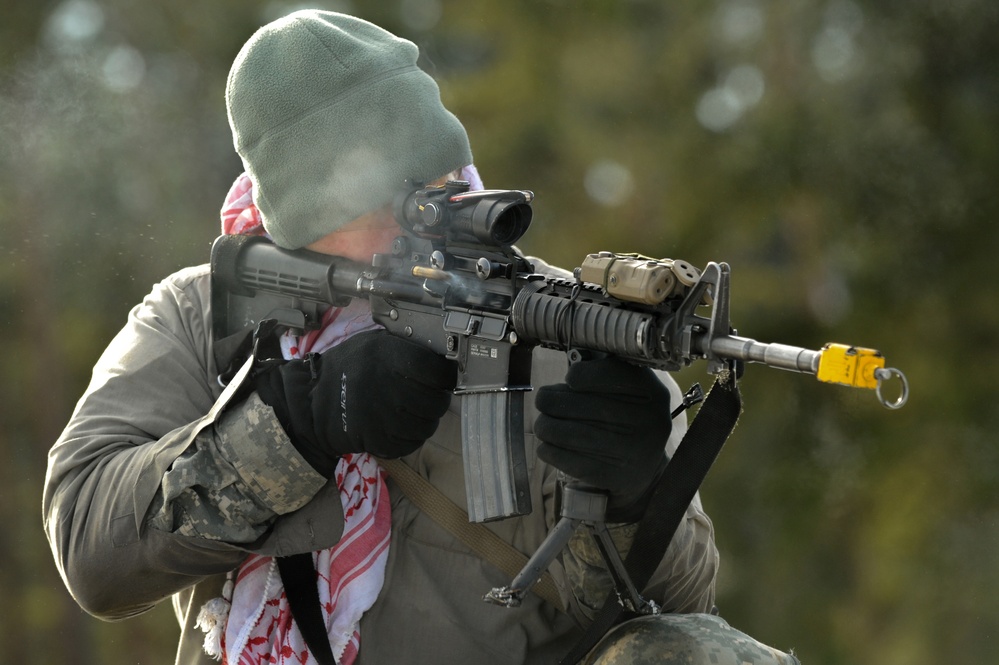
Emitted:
pixel 332 117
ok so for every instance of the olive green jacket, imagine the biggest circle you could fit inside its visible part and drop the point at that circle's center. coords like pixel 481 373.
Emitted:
pixel 162 482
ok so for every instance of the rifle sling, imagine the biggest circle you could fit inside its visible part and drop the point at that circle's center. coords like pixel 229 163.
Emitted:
pixel 486 544
pixel 298 572
pixel 673 493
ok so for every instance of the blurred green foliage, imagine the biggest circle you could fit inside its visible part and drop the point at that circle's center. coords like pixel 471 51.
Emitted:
pixel 841 155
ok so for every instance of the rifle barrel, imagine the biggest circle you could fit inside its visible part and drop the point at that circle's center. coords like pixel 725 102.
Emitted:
pixel 781 356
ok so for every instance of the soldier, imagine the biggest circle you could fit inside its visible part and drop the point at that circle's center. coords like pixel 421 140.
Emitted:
pixel 166 483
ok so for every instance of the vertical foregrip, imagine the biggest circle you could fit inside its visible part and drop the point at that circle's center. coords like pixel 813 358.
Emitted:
pixel 496 481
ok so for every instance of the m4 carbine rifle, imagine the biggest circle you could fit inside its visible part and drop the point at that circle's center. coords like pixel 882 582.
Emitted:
pixel 454 283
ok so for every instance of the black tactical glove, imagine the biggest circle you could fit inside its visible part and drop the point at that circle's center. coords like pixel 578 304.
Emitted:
pixel 607 426
pixel 374 393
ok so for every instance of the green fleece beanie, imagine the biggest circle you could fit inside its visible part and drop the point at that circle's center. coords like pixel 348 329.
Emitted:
pixel 331 116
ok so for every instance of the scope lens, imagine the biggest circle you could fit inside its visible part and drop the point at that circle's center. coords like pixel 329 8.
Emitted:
pixel 510 223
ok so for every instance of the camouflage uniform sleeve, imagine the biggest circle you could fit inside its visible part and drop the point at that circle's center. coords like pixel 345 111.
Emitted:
pixel 684 581
pixel 235 479
pixel 586 571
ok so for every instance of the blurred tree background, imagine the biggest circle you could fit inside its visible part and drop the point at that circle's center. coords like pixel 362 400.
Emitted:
pixel 841 155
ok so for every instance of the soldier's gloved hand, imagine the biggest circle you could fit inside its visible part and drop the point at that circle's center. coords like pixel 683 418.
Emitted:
pixel 607 426
pixel 374 393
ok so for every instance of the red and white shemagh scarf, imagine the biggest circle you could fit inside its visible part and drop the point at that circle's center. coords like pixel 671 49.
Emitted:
pixel 252 622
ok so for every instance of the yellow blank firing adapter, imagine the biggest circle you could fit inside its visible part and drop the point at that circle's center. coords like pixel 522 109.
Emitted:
pixel 859 368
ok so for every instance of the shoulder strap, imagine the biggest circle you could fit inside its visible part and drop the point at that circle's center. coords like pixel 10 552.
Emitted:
pixel 668 505
pixel 298 574
pixel 486 544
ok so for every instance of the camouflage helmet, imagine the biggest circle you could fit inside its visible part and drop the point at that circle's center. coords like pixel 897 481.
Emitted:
pixel 682 639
